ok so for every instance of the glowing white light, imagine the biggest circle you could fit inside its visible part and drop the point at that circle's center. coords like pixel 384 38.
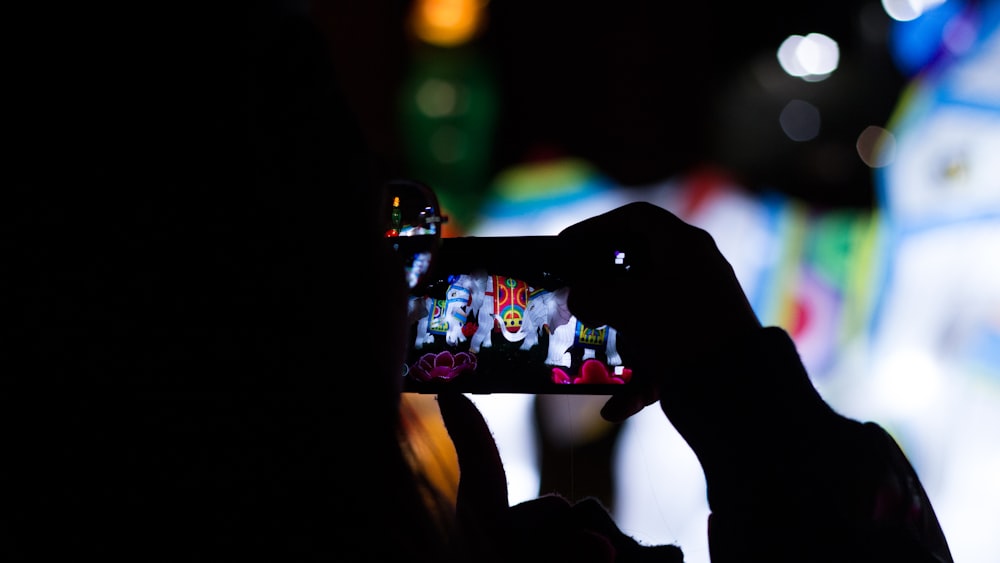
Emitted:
pixel 786 56
pixel 908 381
pixel 811 57
pixel 907 10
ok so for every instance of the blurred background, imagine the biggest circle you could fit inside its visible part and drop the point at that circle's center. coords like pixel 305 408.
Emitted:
pixel 845 156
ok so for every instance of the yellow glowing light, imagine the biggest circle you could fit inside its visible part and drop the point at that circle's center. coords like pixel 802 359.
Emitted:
pixel 447 23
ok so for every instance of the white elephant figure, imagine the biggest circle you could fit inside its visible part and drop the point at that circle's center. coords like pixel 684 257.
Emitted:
pixel 567 334
pixel 503 305
pixel 548 308
pixel 419 311
pixel 574 336
pixel 443 317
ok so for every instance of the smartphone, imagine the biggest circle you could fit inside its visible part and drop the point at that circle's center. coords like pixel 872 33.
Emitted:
pixel 489 315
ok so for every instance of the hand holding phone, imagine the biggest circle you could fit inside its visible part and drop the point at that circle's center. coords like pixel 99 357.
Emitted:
pixel 685 310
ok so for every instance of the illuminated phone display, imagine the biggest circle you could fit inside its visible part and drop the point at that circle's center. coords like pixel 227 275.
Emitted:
pixel 488 320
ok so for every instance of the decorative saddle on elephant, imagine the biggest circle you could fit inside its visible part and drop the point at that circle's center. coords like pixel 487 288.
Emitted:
pixel 510 300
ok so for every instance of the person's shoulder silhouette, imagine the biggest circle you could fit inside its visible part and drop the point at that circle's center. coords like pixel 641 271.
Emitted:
pixel 184 370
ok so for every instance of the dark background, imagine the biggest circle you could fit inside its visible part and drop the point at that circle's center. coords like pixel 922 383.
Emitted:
pixel 646 90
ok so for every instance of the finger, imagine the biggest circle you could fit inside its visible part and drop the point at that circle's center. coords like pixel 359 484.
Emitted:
pixel 482 488
pixel 632 217
pixel 641 391
pixel 596 303
pixel 623 405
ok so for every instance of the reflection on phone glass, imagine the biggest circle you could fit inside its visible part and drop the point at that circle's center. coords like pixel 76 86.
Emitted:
pixel 412 225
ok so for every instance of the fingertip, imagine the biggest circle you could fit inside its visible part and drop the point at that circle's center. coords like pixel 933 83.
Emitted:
pixel 482 491
pixel 462 420
pixel 620 407
pixel 453 402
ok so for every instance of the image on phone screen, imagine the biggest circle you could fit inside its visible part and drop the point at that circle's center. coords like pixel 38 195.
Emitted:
pixel 483 331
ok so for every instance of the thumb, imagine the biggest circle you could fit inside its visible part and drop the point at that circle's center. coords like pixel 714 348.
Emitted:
pixel 482 487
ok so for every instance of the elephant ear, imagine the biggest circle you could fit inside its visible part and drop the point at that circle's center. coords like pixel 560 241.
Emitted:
pixel 478 281
pixel 558 310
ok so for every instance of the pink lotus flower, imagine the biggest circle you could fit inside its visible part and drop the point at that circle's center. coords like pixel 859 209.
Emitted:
pixel 560 377
pixel 443 366
pixel 591 372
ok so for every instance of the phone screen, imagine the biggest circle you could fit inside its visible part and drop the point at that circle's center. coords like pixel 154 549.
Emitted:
pixel 491 317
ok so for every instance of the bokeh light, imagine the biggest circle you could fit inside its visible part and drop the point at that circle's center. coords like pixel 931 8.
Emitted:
pixel 812 57
pixel 876 146
pixel 447 23
pixel 908 10
pixel 800 120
